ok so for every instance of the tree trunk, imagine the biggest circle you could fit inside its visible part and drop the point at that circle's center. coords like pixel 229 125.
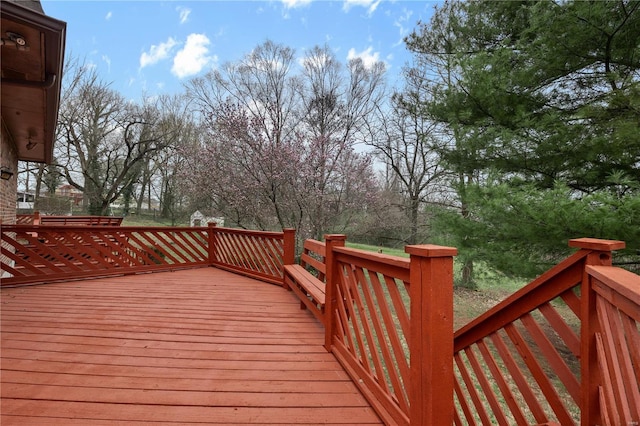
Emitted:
pixel 41 168
pixel 414 207
pixel 467 268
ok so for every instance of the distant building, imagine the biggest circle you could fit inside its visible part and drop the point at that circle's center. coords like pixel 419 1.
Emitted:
pixel 198 219
pixel 72 192
pixel 26 201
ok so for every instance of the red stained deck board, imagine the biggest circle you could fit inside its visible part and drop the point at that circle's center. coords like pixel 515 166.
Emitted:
pixel 200 346
pixel 172 353
pixel 58 412
pixel 198 384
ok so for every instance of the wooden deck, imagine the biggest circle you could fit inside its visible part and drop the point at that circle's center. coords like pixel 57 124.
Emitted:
pixel 195 346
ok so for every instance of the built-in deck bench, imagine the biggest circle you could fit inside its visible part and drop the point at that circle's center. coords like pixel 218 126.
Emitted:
pixel 54 220
pixel 81 220
pixel 307 279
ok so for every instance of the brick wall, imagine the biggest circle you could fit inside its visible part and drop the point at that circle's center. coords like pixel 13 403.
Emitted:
pixel 8 188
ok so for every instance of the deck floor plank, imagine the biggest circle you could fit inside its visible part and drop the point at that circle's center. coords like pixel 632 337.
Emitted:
pixel 200 346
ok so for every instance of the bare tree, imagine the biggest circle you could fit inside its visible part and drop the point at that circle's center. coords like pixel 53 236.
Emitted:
pixel 102 138
pixel 261 83
pixel 337 107
pixel 163 168
pixel 409 147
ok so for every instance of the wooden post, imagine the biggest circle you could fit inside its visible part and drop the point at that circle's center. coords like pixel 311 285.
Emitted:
pixel 589 371
pixel 288 250
pixel 211 233
pixel 36 218
pixel 332 275
pixel 431 335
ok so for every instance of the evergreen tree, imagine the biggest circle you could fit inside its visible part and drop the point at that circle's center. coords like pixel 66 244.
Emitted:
pixel 544 98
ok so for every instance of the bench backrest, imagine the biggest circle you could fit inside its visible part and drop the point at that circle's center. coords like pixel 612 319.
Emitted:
pixel 81 220
pixel 313 258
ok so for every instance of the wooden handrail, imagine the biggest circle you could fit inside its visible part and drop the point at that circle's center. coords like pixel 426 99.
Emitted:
pixel 565 275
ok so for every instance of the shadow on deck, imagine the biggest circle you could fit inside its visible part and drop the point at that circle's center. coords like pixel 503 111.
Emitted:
pixel 193 346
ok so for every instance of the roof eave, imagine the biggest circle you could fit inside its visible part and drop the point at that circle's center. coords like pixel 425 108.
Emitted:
pixel 55 35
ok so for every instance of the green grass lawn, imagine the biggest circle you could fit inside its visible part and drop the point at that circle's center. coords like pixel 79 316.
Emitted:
pixel 487 278
pixel 378 249
pixel 148 220
pixel 493 286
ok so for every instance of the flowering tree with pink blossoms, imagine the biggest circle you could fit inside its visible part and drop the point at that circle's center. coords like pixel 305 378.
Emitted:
pixel 280 147
pixel 242 174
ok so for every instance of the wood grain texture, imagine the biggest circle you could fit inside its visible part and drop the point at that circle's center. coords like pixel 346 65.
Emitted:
pixel 194 346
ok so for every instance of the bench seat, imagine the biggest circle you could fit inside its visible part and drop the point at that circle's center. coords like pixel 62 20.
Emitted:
pixel 314 287
pixel 307 278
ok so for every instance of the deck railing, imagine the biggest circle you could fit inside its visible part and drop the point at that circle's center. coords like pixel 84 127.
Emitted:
pixel 258 254
pixel 560 350
pixel 25 219
pixel 38 254
pixel 612 392
pixel 390 324
pixel 565 349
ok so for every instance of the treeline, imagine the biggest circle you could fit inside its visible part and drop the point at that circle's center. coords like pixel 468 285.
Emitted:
pixel 517 128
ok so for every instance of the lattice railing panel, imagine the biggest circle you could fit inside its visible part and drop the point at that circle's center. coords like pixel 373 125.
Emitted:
pixel 258 254
pixel 43 254
pixel 524 373
pixel 525 366
pixel 24 219
pixel 565 349
pixel 372 325
pixel 618 345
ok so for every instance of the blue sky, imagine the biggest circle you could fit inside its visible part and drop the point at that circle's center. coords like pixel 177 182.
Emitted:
pixel 152 47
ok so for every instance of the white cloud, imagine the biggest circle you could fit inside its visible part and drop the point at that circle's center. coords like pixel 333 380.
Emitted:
pixel 107 60
pixel 314 61
pixel 108 16
pixel 404 22
pixel 193 57
pixel 368 56
pixel 184 14
pixel 292 4
pixel 370 5
pixel 89 65
pixel 157 53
